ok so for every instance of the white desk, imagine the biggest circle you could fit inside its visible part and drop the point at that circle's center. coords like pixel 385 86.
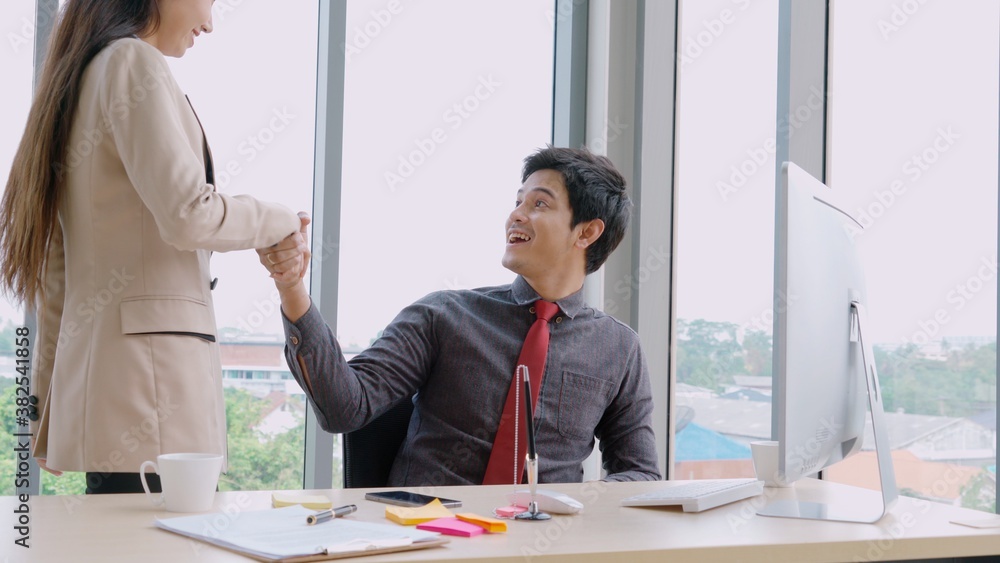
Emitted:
pixel 120 528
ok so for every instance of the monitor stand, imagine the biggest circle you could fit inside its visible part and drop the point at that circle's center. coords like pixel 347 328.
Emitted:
pixel 845 511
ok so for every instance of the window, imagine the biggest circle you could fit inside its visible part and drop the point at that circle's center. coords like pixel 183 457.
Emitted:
pixel 256 98
pixel 725 223
pixel 913 147
pixel 16 60
pixel 259 119
pixel 442 104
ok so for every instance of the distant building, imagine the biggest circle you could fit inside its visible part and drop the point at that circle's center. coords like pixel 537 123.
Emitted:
pixel 940 482
pixel 257 365
pixel 934 456
pixel 284 413
pixel 760 383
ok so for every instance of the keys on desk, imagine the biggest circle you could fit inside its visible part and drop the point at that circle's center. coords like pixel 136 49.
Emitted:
pixel 695 496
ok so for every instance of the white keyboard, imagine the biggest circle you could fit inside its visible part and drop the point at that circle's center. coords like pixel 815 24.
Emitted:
pixel 695 496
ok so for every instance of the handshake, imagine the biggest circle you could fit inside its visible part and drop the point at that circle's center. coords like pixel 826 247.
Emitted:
pixel 288 259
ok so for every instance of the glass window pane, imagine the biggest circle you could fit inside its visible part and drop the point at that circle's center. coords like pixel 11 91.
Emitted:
pixel 913 149
pixel 725 224
pixel 16 60
pixel 442 104
pixel 256 99
pixel 258 111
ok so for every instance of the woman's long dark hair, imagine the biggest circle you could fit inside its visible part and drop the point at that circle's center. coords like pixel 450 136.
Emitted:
pixel 29 210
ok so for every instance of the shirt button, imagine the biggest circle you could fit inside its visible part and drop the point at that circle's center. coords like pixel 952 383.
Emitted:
pixel 295 340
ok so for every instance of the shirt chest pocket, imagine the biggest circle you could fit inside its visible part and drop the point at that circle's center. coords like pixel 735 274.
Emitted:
pixel 582 400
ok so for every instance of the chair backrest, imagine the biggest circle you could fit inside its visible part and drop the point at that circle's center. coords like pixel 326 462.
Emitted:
pixel 370 451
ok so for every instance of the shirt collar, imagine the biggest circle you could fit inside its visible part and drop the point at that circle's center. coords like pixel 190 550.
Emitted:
pixel 524 294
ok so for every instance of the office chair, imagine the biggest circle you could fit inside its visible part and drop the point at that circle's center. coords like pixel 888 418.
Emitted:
pixel 370 451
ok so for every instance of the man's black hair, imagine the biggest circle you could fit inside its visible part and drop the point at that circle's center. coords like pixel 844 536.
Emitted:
pixel 596 191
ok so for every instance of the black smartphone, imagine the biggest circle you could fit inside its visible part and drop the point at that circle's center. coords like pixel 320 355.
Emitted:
pixel 406 498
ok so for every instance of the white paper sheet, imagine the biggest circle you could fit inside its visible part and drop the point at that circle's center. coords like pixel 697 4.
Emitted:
pixel 282 532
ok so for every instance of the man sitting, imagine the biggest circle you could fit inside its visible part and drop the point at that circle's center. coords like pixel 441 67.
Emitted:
pixel 456 352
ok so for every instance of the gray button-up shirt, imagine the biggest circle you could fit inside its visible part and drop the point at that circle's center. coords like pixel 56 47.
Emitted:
pixel 457 351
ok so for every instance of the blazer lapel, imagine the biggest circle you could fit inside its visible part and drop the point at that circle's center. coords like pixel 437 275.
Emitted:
pixel 209 165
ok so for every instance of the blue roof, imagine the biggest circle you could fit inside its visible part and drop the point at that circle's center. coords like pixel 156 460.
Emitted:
pixel 696 443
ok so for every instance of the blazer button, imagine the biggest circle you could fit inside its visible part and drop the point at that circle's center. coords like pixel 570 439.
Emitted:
pixel 215 282
pixel 295 340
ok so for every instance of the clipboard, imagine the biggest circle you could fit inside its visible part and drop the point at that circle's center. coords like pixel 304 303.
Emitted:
pixel 343 554
pixel 282 535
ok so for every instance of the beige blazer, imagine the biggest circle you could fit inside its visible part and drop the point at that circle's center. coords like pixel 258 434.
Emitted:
pixel 126 360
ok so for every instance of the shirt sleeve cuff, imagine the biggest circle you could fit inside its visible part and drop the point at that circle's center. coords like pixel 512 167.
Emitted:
pixel 294 331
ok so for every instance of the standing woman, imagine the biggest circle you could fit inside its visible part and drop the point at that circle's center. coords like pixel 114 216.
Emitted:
pixel 107 224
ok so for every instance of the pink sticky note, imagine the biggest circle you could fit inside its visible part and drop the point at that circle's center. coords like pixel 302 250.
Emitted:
pixel 509 511
pixel 451 527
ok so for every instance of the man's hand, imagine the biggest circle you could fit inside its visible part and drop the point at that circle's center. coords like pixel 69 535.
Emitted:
pixel 288 260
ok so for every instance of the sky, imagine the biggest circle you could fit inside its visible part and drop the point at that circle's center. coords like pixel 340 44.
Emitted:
pixel 442 105
pixel 902 84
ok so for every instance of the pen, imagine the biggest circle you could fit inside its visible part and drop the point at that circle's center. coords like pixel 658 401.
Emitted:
pixel 529 417
pixel 331 514
pixel 531 462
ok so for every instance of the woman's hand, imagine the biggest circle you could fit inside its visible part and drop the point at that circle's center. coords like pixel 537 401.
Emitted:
pixel 288 260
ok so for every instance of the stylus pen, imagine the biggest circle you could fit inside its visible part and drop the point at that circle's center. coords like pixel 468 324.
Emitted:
pixel 331 514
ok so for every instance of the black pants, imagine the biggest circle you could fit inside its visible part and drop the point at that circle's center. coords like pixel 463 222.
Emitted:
pixel 113 483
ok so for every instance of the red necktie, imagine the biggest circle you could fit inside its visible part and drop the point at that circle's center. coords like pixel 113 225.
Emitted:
pixel 507 466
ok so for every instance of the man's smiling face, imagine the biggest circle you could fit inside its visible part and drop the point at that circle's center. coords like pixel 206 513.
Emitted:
pixel 540 240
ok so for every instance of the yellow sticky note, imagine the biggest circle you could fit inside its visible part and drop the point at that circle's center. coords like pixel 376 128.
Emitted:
pixel 491 525
pixel 413 515
pixel 314 502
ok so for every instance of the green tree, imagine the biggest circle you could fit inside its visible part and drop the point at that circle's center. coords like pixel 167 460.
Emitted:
pixel 961 385
pixel 980 493
pixel 7 339
pixel 69 483
pixel 709 354
pixel 757 352
pixel 8 427
pixel 258 461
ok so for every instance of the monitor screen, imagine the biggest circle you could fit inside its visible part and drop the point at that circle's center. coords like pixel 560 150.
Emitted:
pixel 825 381
pixel 821 396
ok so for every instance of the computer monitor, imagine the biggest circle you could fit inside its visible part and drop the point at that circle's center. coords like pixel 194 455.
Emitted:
pixel 824 373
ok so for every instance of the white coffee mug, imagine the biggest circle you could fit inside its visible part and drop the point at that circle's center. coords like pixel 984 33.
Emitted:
pixel 188 481
pixel 765 463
